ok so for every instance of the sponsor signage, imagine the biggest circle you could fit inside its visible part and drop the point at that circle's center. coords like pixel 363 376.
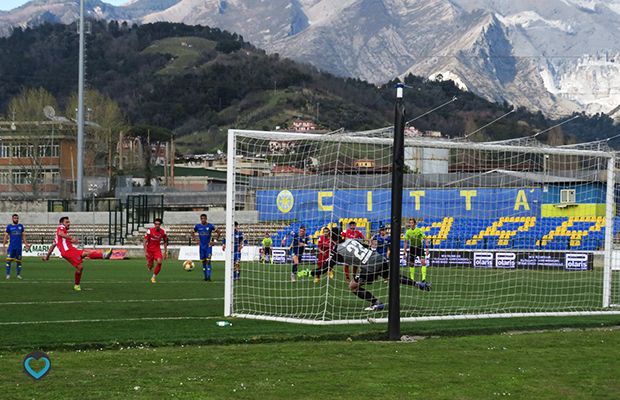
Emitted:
pixel 117 254
pixel 540 260
pixel 505 260
pixel 38 250
pixel 483 259
pixel 248 253
pixel 450 259
pixel 287 204
pixel 463 258
pixel 281 256
pixel 513 260
pixel 576 261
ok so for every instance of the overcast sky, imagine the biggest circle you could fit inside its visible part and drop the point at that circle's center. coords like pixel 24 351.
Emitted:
pixel 6 5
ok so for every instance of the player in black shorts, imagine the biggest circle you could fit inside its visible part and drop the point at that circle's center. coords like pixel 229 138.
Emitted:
pixel 413 253
pixel 371 266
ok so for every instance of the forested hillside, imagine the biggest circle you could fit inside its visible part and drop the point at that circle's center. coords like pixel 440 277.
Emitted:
pixel 198 81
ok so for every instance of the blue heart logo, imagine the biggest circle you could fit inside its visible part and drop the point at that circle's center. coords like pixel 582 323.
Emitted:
pixel 37 355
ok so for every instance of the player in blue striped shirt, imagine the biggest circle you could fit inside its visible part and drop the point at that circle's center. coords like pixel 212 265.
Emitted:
pixel 381 241
pixel 205 230
pixel 300 240
pixel 15 236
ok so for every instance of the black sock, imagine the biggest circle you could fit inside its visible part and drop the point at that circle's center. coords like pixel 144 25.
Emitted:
pixel 407 281
pixel 366 295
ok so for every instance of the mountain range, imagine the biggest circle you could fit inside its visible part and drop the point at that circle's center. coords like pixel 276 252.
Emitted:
pixel 556 56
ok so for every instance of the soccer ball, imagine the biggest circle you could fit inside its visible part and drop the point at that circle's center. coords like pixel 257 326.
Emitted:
pixel 188 265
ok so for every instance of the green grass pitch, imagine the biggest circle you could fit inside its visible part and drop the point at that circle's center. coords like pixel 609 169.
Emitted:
pixel 123 336
pixel 118 302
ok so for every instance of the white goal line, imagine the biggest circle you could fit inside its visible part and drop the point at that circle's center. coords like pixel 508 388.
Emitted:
pixel 21 303
pixel 370 320
pixel 71 321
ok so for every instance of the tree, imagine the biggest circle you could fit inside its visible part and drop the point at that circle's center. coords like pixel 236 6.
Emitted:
pixel 103 120
pixel 29 105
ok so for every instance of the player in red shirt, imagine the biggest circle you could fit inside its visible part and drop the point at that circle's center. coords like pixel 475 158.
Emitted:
pixel 152 247
pixel 76 257
pixel 325 248
pixel 352 233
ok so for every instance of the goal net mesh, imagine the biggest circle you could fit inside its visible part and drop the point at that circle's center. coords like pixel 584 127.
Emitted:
pixel 514 228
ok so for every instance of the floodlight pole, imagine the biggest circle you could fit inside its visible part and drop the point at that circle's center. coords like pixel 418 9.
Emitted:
pixel 398 167
pixel 80 138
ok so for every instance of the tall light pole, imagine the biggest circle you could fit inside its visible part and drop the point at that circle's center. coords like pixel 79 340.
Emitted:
pixel 93 189
pixel 80 138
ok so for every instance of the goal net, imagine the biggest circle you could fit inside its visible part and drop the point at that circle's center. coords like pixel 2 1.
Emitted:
pixel 514 228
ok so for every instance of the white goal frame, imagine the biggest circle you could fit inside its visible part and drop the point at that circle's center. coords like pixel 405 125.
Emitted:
pixel 607 306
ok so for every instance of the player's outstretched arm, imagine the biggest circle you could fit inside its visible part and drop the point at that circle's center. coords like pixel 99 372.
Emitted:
pixel 49 252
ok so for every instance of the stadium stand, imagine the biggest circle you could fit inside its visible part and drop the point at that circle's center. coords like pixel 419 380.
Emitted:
pixel 520 233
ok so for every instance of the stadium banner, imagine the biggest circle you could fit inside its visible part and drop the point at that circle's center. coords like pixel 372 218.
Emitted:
pixel 248 253
pixel 568 261
pixel 615 260
pixel 281 255
pixel 117 254
pixel 278 205
pixel 39 250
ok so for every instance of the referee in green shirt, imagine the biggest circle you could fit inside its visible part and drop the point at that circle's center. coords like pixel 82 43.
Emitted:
pixel 266 250
pixel 415 239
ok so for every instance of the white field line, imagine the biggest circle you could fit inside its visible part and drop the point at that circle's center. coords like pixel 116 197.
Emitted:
pixel 148 281
pixel 70 321
pixel 21 303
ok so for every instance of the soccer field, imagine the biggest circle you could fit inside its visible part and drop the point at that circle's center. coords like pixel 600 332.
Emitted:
pixel 118 303
pixel 123 336
pixel 457 291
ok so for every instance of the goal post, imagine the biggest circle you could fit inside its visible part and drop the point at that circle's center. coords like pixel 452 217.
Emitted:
pixel 515 228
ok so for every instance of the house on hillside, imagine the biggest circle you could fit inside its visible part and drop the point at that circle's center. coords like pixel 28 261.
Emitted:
pixel 285 170
pixel 281 147
pixel 303 126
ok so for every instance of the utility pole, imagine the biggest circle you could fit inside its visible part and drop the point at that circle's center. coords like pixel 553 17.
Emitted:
pixel 171 160
pixel 398 167
pixel 110 159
